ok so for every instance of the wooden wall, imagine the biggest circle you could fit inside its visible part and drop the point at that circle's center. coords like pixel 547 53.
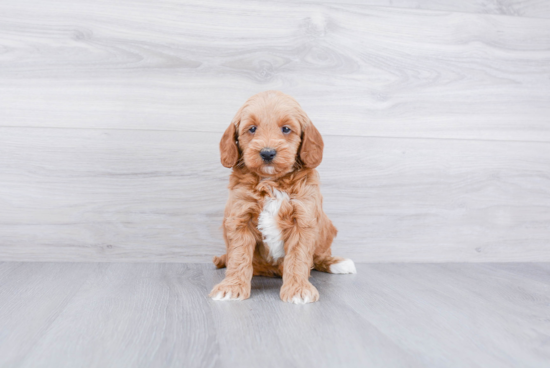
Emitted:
pixel 436 118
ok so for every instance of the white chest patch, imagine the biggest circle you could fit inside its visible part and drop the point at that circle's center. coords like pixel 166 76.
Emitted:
pixel 267 224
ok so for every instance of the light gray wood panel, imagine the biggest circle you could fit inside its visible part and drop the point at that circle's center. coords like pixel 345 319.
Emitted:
pixel 453 315
pixel 32 296
pixel 357 70
pixel 158 196
pixel 521 8
pixel 329 333
pixel 516 8
pixel 405 315
pixel 133 315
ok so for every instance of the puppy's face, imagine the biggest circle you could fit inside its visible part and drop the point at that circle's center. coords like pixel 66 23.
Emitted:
pixel 269 138
pixel 269 134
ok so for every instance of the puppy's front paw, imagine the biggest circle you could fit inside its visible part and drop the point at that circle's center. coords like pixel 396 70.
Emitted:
pixel 231 290
pixel 299 293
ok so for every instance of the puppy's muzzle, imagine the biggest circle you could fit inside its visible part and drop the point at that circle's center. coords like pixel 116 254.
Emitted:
pixel 268 154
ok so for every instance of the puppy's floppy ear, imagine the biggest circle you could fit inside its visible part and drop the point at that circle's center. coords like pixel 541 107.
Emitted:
pixel 311 151
pixel 229 150
pixel 228 146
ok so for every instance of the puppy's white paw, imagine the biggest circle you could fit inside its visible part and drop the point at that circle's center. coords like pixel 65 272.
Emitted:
pixel 220 296
pixel 346 266
pixel 231 290
pixel 297 299
pixel 299 293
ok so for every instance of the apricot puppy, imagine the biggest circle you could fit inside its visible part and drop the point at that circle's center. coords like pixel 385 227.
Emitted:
pixel 274 224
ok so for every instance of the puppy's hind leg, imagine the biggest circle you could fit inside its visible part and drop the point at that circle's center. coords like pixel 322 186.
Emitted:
pixel 333 264
pixel 220 261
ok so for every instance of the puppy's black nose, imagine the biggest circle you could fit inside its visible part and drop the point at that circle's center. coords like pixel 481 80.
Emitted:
pixel 268 154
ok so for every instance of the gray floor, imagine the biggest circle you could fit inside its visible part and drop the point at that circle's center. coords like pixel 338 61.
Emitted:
pixel 158 315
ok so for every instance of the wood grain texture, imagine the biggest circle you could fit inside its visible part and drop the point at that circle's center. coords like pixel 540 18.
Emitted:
pixel 331 336
pixel 70 194
pixel 387 315
pixel 357 70
pixel 452 315
pixel 515 8
pixel 32 296
pixel 436 116
pixel 133 315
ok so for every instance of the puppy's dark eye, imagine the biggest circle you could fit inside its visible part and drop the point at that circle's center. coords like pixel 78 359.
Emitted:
pixel 285 130
pixel 252 129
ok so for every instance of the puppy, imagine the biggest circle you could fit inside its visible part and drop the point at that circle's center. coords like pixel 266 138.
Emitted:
pixel 274 224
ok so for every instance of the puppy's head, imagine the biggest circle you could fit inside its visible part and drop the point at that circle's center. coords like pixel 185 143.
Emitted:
pixel 271 135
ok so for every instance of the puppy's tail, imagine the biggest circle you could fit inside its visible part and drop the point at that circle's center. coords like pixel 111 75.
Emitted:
pixel 219 262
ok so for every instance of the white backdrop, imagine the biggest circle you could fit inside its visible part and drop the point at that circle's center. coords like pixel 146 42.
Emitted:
pixel 436 123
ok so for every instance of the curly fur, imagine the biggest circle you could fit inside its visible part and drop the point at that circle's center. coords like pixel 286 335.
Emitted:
pixel 274 223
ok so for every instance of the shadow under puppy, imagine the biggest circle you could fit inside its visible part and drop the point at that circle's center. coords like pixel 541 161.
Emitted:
pixel 274 224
